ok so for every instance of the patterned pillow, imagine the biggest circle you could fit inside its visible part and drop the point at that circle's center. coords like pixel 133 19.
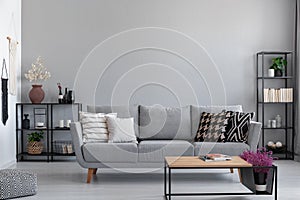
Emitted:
pixel 212 126
pixel 94 127
pixel 238 126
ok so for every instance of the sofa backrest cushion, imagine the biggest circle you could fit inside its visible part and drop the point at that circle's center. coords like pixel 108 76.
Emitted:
pixel 196 112
pixel 157 122
pixel 122 112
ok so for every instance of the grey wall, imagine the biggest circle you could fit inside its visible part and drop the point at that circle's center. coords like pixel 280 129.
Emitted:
pixel 10 25
pixel 171 52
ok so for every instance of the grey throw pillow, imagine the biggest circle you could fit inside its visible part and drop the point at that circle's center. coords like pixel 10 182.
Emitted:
pixel 121 130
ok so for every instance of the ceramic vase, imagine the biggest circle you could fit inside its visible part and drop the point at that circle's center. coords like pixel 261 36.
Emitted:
pixel 36 94
pixel 271 73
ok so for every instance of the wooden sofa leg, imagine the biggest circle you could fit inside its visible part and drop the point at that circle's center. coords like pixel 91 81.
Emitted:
pixel 90 175
pixel 231 170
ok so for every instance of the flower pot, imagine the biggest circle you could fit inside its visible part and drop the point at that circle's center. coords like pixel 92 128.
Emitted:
pixel 34 147
pixel 260 180
pixel 271 72
pixel 278 73
pixel 36 94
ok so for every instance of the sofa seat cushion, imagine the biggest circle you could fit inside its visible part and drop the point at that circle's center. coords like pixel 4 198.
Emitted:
pixel 110 152
pixel 156 150
pixel 165 123
pixel 229 148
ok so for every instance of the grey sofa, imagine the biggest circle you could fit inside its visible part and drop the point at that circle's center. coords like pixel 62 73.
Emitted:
pixel 161 132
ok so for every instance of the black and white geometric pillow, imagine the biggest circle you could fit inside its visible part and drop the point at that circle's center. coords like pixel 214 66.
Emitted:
pixel 212 127
pixel 238 126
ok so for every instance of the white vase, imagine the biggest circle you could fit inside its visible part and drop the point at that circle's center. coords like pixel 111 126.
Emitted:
pixel 260 188
pixel 271 72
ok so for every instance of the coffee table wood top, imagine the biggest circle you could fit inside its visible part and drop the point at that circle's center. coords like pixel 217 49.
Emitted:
pixel 196 162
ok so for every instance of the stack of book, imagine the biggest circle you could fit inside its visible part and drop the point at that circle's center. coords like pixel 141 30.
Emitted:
pixel 278 94
pixel 214 157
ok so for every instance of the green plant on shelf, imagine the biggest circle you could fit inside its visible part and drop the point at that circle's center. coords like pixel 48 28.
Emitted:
pixel 278 65
pixel 35 136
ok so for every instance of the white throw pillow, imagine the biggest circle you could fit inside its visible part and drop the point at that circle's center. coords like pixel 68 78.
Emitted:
pixel 94 127
pixel 120 129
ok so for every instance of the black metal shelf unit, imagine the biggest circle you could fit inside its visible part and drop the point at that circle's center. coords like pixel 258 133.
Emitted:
pixel 286 109
pixel 50 130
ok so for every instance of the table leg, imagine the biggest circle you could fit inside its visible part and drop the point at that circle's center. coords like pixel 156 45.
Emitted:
pixel 165 180
pixel 169 184
pixel 240 175
pixel 275 192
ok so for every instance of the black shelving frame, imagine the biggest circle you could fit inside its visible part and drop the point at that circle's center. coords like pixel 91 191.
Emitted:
pixel 288 79
pixel 48 154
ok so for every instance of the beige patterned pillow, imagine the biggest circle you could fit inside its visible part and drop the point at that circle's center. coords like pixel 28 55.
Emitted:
pixel 94 126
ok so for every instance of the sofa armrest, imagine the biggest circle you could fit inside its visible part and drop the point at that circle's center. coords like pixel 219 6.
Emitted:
pixel 76 133
pixel 254 135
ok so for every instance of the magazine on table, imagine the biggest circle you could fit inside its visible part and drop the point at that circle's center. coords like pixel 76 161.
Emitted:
pixel 214 157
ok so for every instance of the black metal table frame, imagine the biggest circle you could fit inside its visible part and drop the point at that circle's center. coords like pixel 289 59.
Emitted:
pixel 169 194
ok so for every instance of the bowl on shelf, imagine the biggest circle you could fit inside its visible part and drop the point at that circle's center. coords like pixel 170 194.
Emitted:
pixel 275 149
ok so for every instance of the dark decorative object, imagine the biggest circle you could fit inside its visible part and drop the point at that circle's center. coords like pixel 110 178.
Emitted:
pixel 65 99
pixel 71 98
pixel 262 158
pixel 260 178
pixel 278 73
pixel 60 95
pixel 4 81
pixel 36 94
pixel 26 122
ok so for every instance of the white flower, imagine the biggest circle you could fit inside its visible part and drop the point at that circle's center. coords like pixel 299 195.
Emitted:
pixel 37 72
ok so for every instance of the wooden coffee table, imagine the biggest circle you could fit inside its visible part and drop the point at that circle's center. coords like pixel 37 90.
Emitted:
pixel 193 162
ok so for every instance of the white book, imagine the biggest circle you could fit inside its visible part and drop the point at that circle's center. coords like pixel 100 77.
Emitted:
pixel 266 94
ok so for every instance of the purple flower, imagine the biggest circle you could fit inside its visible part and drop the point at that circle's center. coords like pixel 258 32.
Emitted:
pixel 261 157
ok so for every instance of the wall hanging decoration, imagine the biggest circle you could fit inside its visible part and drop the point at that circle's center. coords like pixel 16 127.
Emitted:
pixel 4 80
pixel 12 66
pixel 37 72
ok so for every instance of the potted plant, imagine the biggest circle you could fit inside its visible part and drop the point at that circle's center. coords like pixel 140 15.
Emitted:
pixel 278 65
pixel 37 72
pixel 34 145
pixel 260 158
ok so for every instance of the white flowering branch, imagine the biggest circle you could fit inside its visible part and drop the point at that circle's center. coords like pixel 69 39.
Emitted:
pixel 38 71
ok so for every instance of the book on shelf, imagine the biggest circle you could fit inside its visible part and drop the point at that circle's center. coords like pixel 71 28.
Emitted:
pixel 278 95
pixel 215 157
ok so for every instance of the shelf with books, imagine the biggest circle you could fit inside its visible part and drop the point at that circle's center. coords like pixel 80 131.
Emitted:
pixel 260 102
pixel 276 96
pixel 281 77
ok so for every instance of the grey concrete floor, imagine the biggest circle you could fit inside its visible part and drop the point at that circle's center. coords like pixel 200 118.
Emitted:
pixel 66 180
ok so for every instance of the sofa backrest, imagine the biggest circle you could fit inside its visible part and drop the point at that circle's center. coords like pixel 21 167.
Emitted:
pixel 196 112
pixel 157 122
pixel 122 111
